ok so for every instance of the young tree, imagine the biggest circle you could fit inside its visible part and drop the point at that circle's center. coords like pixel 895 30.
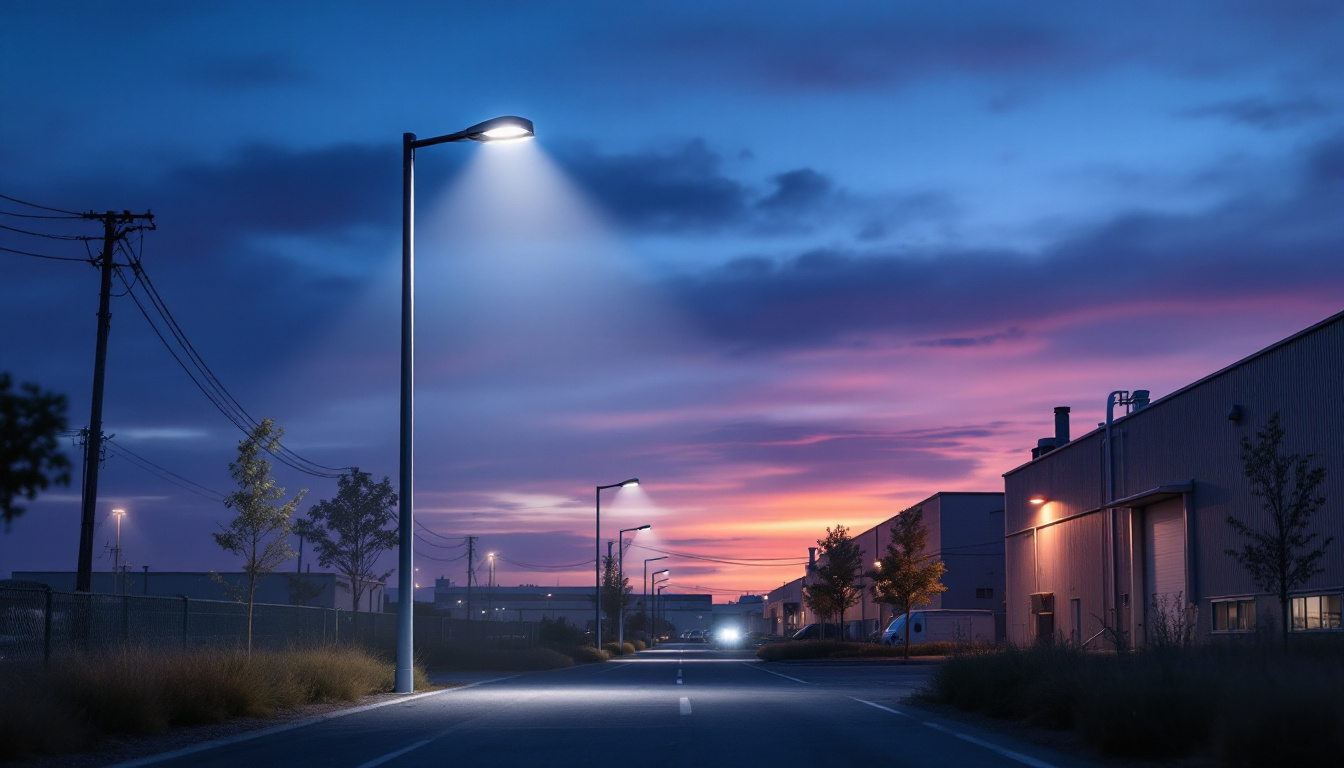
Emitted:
pixel 350 531
pixel 30 457
pixel 1283 556
pixel 615 597
pixel 835 585
pixel 905 577
pixel 259 532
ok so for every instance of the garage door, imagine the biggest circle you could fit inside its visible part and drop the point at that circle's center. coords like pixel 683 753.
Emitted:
pixel 1164 553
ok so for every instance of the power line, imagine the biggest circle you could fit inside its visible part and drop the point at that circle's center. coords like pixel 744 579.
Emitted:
pixel 76 214
pixel 47 235
pixel 162 473
pixel 765 562
pixel 432 532
pixel 42 255
pixel 534 567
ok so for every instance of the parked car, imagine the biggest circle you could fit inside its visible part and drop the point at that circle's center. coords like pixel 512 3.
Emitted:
pixel 948 625
pixel 814 632
pixel 697 636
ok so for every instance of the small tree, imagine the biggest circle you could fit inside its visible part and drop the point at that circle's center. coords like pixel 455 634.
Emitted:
pixel 1283 556
pixel 835 587
pixel 350 531
pixel 905 577
pixel 615 596
pixel 259 532
pixel 30 457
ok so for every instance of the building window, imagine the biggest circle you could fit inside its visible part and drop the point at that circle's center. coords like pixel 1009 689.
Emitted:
pixel 1316 612
pixel 984 593
pixel 1234 616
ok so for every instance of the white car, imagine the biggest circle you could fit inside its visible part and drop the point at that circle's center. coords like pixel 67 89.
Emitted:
pixel 949 626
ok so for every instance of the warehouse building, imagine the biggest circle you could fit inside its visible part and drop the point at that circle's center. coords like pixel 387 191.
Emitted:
pixel 1122 534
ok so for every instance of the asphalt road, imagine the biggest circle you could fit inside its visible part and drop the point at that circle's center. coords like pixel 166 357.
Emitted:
pixel 680 705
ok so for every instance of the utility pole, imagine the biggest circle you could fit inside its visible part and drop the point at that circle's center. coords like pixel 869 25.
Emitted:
pixel 471 572
pixel 93 444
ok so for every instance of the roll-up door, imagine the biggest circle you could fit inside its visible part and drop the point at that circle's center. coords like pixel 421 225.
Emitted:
pixel 1164 553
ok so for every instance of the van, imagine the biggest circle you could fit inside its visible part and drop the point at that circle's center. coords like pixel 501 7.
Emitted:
pixel 942 626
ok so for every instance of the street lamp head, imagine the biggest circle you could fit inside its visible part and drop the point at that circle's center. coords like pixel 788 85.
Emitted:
pixel 665 570
pixel 643 527
pixel 507 128
pixel 119 512
pixel 631 482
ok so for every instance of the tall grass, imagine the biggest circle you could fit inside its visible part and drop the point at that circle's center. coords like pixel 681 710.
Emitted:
pixel 139 692
pixel 1252 705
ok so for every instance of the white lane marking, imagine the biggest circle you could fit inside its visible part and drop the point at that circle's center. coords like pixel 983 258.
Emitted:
pixel 685 706
pixel 777 674
pixel 1008 753
pixel 879 706
pixel 394 755
pixel 613 667
pixel 195 748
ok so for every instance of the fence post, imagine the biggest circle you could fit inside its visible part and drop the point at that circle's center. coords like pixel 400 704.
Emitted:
pixel 46 630
pixel 185 613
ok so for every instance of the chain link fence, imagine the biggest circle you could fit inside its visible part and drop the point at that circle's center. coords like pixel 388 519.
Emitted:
pixel 42 623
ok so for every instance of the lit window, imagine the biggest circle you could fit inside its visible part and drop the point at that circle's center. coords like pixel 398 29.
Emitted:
pixel 1234 616
pixel 1316 612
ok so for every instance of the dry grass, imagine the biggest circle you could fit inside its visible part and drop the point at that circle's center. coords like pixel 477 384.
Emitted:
pixel 1241 705
pixel 140 692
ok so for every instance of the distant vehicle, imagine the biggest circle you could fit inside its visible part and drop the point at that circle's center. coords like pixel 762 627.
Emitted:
pixel 946 626
pixel 814 632
pixel 728 636
pixel 697 636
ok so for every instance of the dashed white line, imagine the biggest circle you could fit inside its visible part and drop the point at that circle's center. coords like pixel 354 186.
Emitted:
pixel 777 674
pixel 1008 753
pixel 394 755
pixel 685 706
pixel 879 706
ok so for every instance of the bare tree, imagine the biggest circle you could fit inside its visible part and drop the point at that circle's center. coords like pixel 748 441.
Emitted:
pixel 905 577
pixel 836 586
pixel 30 458
pixel 350 531
pixel 259 531
pixel 1284 555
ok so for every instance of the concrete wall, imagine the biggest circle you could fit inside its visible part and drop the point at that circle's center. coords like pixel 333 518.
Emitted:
pixel 1179 456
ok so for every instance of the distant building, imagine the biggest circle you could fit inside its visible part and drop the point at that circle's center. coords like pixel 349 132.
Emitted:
pixel 965 532
pixel 1123 531
pixel 747 613
pixel 321 590
pixel 574 604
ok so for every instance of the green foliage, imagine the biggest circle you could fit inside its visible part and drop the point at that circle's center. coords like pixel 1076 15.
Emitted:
pixel 30 456
pixel 260 528
pixel 1284 555
pixel 1281 707
pixel 559 633
pixel 905 577
pixel 79 700
pixel 615 594
pixel 834 584
pixel 350 531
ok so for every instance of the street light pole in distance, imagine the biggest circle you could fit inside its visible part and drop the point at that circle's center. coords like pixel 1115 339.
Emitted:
pixel 620 582
pixel 597 557
pixel 498 129
pixel 644 604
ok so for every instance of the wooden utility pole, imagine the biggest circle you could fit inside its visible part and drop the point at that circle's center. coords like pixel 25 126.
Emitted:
pixel 93 443
pixel 471 570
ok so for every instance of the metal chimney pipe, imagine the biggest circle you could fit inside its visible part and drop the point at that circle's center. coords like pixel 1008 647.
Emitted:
pixel 811 557
pixel 1061 425
pixel 1139 400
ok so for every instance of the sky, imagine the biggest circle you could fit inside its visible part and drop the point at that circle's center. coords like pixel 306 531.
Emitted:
pixel 793 266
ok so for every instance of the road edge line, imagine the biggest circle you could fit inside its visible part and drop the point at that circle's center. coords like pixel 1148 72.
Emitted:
pixel 756 665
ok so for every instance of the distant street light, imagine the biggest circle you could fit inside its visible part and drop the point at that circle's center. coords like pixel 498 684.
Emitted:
pixel 620 581
pixel 500 128
pixel 597 553
pixel 657 599
pixel 116 553
pixel 644 604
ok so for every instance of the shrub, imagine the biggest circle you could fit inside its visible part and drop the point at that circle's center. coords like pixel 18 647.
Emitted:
pixel 587 654
pixel 639 645
pixel 612 649
pixel 628 649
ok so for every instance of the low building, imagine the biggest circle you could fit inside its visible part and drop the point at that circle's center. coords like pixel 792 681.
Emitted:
pixel 965 533
pixel 1122 534
pixel 573 604
pixel 319 590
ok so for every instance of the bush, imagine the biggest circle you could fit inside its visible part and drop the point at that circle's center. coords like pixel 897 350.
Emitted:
pixel 628 649
pixel 139 692
pixel 1244 705
pixel 612 649
pixel 587 654
pixel 639 645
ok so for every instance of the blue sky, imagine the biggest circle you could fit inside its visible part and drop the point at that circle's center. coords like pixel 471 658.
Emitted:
pixel 793 265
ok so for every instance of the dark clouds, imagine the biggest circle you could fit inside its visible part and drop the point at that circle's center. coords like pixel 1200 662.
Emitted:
pixel 1268 114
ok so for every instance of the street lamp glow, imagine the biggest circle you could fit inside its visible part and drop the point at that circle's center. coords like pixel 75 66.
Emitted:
pixel 629 483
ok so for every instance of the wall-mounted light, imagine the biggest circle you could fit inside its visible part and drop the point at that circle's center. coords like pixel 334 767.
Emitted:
pixel 1038 498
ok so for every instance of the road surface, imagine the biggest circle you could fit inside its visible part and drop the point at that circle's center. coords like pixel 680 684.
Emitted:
pixel 678 705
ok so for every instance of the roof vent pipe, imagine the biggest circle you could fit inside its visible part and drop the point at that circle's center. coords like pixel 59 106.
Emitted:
pixel 811 557
pixel 1045 445
pixel 1061 425
pixel 1138 400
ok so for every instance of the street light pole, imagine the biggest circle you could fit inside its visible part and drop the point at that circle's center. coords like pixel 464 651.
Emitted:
pixel 620 581
pixel 116 553
pixel 659 607
pixel 597 557
pixel 500 128
pixel 644 603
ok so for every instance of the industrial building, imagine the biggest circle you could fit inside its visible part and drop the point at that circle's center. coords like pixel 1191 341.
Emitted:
pixel 1123 533
pixel 965 532
pixel 573 604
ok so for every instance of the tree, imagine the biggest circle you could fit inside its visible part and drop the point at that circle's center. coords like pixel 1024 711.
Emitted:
pixel 615 597
pixel 30 456
pixel 1283 556
pixel 905 577
pixel 259 532
pixel 835 587
pixel 350 531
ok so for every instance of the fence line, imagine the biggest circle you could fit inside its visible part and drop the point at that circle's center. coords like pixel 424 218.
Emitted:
pixel 41 623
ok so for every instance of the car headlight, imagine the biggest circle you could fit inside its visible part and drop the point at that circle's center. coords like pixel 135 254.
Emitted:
pixel 729 634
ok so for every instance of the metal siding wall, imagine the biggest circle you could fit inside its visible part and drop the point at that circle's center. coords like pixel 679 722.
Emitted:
pixel 1021 582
